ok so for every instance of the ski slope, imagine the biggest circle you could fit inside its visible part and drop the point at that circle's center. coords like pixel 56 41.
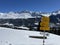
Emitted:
pixel 21 37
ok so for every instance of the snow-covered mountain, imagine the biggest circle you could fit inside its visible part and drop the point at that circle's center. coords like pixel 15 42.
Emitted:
pixel 56 12
pixel 23 14
pixel 13 15
pixel 55 16
pixel 27 14
pixel 29 18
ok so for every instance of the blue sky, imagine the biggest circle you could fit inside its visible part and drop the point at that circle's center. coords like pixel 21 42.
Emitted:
pixel 31 5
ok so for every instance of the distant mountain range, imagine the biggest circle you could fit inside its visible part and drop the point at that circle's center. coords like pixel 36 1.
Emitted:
pixel 29 18
pixel 54 16
pixel 22 14
pixel 29 14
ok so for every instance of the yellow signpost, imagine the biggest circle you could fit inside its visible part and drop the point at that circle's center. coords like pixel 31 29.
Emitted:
pixel 45 28
pixel 44 25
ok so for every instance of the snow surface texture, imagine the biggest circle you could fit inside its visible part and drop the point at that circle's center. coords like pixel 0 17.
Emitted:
pixel 21 37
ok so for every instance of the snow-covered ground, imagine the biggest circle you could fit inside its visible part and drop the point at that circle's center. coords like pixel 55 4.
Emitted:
pixel 21 37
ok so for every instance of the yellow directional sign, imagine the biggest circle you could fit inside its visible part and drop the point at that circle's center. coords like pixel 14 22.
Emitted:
pixel 45 18
pixel 45 28
pixel 45 23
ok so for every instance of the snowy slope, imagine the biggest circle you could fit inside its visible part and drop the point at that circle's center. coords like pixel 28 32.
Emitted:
pixel 20 37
